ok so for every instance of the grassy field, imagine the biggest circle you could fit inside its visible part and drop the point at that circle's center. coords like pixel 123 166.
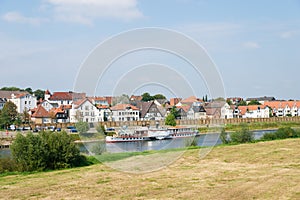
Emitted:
pixel 264 170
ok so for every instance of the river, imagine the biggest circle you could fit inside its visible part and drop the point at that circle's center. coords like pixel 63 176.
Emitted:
pixel 208 140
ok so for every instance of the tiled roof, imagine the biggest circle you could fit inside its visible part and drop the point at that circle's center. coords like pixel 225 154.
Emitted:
pixel 261 99
pixel 57 96
pixel 282 104
pixel 191 99
pixel 7 94
pixel 243 109
pixel 185 108
pixel 123 107
pixel 40 112
pixel 102 107
pixel 144 107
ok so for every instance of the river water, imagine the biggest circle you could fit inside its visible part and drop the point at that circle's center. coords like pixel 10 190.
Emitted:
pixel 207 140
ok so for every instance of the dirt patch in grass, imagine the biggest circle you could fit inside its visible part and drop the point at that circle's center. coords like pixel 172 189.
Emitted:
pixel 265 170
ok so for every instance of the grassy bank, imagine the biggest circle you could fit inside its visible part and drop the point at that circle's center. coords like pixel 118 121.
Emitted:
pixel 264 170
pixel 252 126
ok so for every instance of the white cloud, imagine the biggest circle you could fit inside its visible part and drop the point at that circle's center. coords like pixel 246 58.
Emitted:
pixel 288 34
pixel 86 11
pixel 19 18
pixel 251 45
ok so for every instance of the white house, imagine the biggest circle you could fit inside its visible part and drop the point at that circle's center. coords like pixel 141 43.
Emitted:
pixel 254 111
pixel 64 98
pixel 218 109
pixel 84 111
pixel 2 102
pixel 24 101
pixel 125 112
pixel 196 112
pixel 105 113
pixel 284 108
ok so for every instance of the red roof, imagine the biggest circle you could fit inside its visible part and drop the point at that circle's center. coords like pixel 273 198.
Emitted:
pixel 124 107
pixel 282 104
pixel 243 109
pixel 40 112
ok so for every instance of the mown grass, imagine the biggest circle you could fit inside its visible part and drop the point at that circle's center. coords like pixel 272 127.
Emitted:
pixel 263 170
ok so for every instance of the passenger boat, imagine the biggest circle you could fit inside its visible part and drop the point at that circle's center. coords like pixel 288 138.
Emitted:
pixel 181 131
pixel 125 136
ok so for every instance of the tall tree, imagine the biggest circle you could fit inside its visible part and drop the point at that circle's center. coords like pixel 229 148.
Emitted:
pixel 170 120
pixel 8 114
pixel 254 102
pixel 175 112
pixel 39 94
pixel 159 96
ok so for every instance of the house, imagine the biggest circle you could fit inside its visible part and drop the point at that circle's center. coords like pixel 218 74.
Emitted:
pixel 254 111
pixel 99 101
pixel 105 113
pixel 218 110
pixel 49 105
pixel 2 102
pixel 84 110
pixel 125 112
pixel 40 115
pixel 23 101
pixel 196 112
pixel 190 100
pixel 284 108
pixel 65 98
pixel 60 114
pixel 151 110
pixel 174 101
pixel 183 110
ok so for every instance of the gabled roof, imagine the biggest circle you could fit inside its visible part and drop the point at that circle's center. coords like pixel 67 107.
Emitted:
pixel 144 107
pixel 244 109
pixel 135 98
pixel 185 108
pixel 198 109
pixel 282 104
pixel 58 96
pixel 191 99
pixel 265 98
pixel 82 101
pixel 40 112
pixel 123 107
pixel 7 94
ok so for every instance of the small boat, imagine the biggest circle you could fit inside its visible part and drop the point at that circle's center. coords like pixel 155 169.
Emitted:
pixel 181 132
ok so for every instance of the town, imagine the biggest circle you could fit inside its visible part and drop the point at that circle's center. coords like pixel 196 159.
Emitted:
pixel 71 107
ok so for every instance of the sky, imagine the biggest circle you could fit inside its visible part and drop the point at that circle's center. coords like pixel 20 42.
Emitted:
pixel 255 45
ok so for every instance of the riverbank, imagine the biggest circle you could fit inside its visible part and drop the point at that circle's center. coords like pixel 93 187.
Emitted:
pixel 264 170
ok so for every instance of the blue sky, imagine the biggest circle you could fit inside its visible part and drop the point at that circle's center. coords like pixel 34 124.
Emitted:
pixel 255 44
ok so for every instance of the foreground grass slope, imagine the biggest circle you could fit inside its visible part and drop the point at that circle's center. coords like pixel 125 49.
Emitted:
pixel 265 170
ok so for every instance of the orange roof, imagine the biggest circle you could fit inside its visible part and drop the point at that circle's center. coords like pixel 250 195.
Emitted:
pixel 123 107
pixel 184 107
pixel 40 112
pixel 243 109
pixel 282 104
pixel 102 107
pixel 191 99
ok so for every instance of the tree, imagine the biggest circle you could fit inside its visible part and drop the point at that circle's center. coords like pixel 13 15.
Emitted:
pixel 242 136
pixel 82 127
pixel 170 120
pixel 159 96
pixel 175 112
pixel 39 94
pixel 8 114
pixel 254 102
pixel 45 151
pixel 29 90
pixel 229 102
pixel 147 97
pixel 10 89
pixel 242 103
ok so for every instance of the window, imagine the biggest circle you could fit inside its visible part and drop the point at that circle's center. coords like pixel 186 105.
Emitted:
pixel 25 102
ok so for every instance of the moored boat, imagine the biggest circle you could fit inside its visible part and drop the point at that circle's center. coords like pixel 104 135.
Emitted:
pixel 182 131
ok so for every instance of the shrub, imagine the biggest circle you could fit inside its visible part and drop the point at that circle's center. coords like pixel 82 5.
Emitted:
pixel 98 148
pixel 191 142
pixel 282 133
pixel 82 127
pixel 224 137
pixel 242 136
pixel 7 165
pixel 45 151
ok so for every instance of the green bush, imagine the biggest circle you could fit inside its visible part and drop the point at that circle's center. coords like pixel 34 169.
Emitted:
pixel 282 133
pixel 224 137
pixel 98 148
pixel 7 165
pixel 242 136
pixel 82 127
pixel 45 151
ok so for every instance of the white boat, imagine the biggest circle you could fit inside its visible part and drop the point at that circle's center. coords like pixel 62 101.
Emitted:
pixel 125 136
pixel 181 132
